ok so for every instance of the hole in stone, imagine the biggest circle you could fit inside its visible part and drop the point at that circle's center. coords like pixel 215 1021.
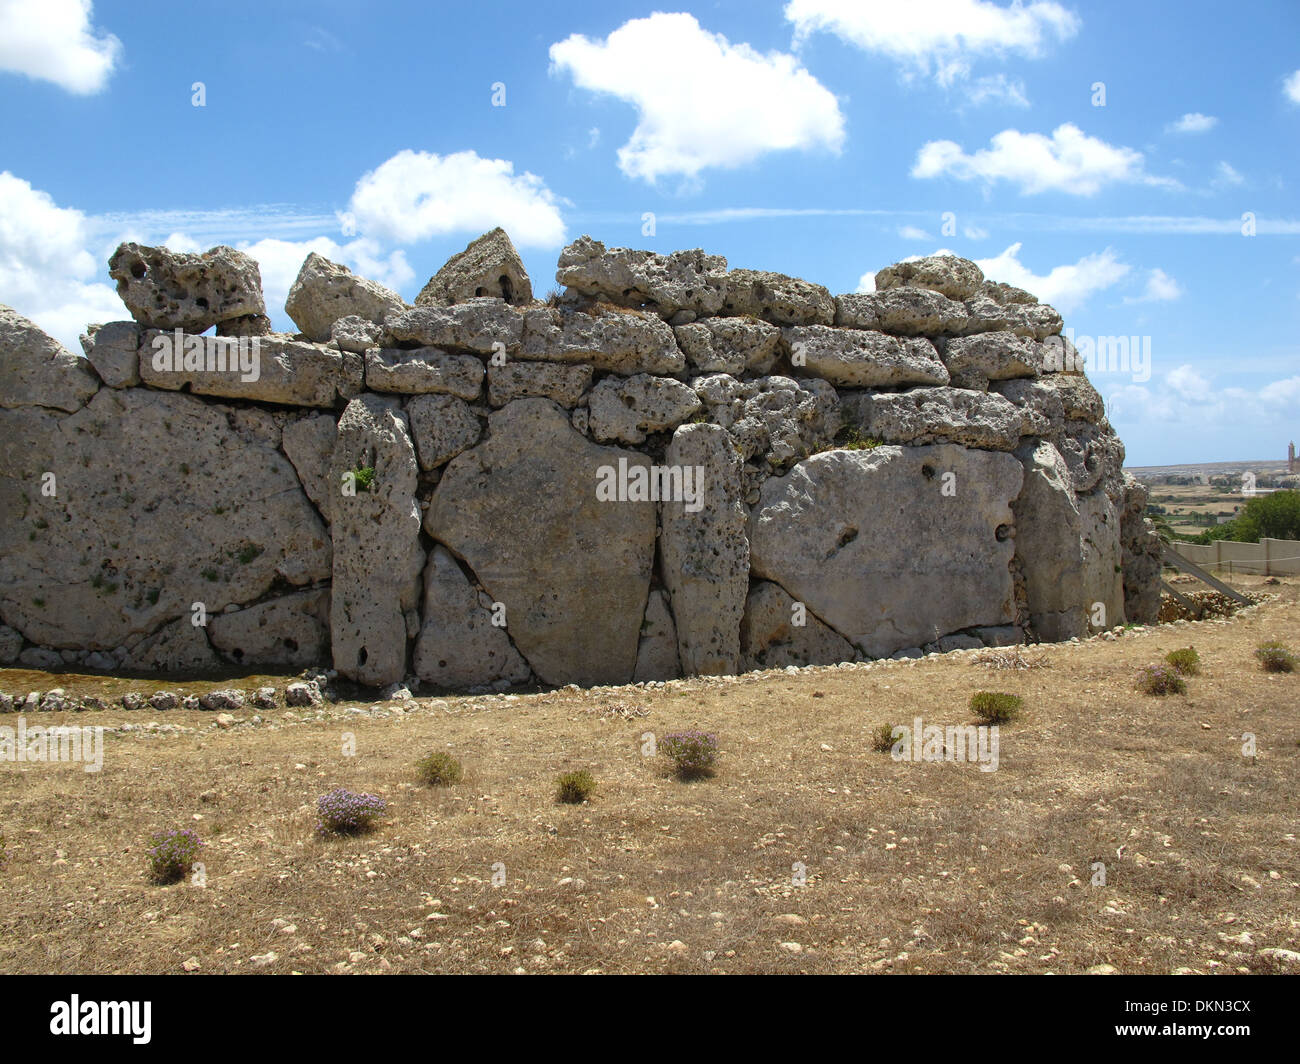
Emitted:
pixel 846 537
pixel 507 289
pixel 292 644
pixel 927 471
pixel 362 655
pixel 1002 533
pixel 137 270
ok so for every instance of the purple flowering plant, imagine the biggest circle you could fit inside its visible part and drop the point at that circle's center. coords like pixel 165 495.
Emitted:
pixel 693 753
pixel 171 853
pixel 344 812
pixel 1161 680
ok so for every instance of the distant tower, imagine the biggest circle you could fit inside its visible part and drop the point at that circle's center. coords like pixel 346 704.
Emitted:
pixel 1290 458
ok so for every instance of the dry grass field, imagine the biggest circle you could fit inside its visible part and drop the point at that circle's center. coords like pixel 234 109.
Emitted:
pixel 910 867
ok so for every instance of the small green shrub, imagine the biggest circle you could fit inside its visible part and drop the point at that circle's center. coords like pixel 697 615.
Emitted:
pixel 882 739
pixel 995 707
pixel 439 770
pixel 363 477
pixel 693 753
pixel 1186 661
pixel 171 853
pixel 850 438
pixel 1161 680
pixel 575 787
pixel 1275 657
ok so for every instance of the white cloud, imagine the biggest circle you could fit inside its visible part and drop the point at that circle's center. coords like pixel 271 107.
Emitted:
pixel 46 272
pixel 974 232
pixel 280 260
pixel 867 282
pixel 417 195
pixel 1292 87
pixel 998 88
pixel 1160 288
pixel 1065 287
pixel 1068 161
pixel 1194 122
pixel 1185 396
pixel 701 101
pixel 911 232
pixel 942 36
pixel 53 40
pixel 1226 176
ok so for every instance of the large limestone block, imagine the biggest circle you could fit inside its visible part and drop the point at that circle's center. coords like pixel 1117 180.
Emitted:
pixel 458 647
pixel 975 360
pixel 442 426
pixel 1034 320
pixel 940 415
pixel 729 345
pixel 1094 455
pixel 423 371
pixel 36 370
pixel 626 408
pixel 572 568
pixel 902 312
pixel 1103 568
pixel 859 358
pixel 705 551
pixel 524 380
pixel 265 369
pixel 777 632
pixel 656 655
pixel 308 443
pixel 324 292
pixel 479 326
pixel 889 549
pixel 160 501
pixel 114 352
pixel 1141 549
pixel 179 646
pixel 683 281
pixel 489 266
pixel 377 552
pixel 1048 530
pixel 291 631
pixel 622 341
pixel 177 290
pixel 948 275
pixel 777 298
pixel 783 420
pixel 1041 403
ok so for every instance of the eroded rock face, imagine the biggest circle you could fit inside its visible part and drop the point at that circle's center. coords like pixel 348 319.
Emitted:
pixel 706 551
pixel 667 284
pixel 777 298
pixel 902 312
pixel 572 570
pixel 36 370
pixel 626 408
pixel 524 380
pixel 459 648
pixel 973 361
pixel 163 500
pixel 176 290
pixel 489 266
pixel 873 546
pixel 940 415
pixel 946 274
pixel 1048 531
pixel 291 631
pixel 308 442
pixel 114 352
pixel 623 341
pixel 858 358
pixel 324 292
pixel 425 370
pixel 656 656
pixel 1103 573
pixel 442 426
pixel 729 345
pixel 777 632
pixel 483 326
pixel 377 552
pixel 1141 551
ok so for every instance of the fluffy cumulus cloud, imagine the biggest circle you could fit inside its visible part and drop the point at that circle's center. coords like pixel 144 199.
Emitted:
pixel 942 37
pixel 417 195
pixel 1066 287
pixel 1160 288
pixel 280 260
pixel 1195 122
pixel 1068 161
pixel 47 272
pixel 701 101
pixel 55 40
pixel 1291 87
pixel 1186 396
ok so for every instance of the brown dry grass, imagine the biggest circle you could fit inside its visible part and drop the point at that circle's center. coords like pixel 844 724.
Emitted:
pixel 910 867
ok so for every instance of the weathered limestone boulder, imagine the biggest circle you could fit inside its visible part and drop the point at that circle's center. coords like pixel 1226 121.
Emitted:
pixel 783 420
pixel 902 312
pixel 291 631
pixel 892 547
pixel 1041 404
pixel 940 415
pixel 777 298
pixel 973 361
pixel 442 426
pixel 1036 321
pixel 529 511
pixel 158 501
pixel 1048 532
pixel 264 369
pixel 626 408
pixel 622 341
pixel 36 370
pixel 458 647
pixel 1094 455
pixel 11 644
pixel 777 632
pixel 489 266
pixel 1006 294
pixel 1079 399
pixel 729 345
pixel 324 292
pixel 377 552
pixel 1103 571
pixel 114 352
pixel 859 358
pixel 424 370
pixel 948 275
pixel 176 290
pixel 666 284
pixel 564 384
pixel 180 646
pixel 1141 552
pixel 705 552
pixel 656 655
pixel 354 333
pixel 479 326
pixel 308 442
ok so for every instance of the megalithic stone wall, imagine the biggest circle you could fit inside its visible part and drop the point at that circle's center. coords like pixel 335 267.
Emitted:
pixel 670 468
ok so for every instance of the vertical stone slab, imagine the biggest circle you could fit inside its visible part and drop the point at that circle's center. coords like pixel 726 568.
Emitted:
pixel 376 530
pixel 1047 544
pixel 705 550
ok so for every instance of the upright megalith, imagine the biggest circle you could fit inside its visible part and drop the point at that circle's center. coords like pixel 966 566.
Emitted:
pixel 177 290
pixel 375 524
pixel 489 266
pixel 36 370
pixel 1048 534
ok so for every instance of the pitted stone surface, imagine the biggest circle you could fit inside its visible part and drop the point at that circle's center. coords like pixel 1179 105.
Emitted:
pixel 623 341
pixel 859 358
pixel 292 631
pixel 423 371
pixel 902 312
pixel 626 408
pixel 946 274
pixel 772 637
pixel 36 370
pixel 940 415
pixel 729 345
pixel 479 326
pixel 974 361
pixel 777 298
pixel 114 352
pixel 174 290
pixel 324 292
pixel 524 380
pixel 666 284
pixel 489 266
pixel 442 426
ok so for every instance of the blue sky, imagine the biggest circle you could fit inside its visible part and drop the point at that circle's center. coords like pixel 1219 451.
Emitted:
pixel 821 138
